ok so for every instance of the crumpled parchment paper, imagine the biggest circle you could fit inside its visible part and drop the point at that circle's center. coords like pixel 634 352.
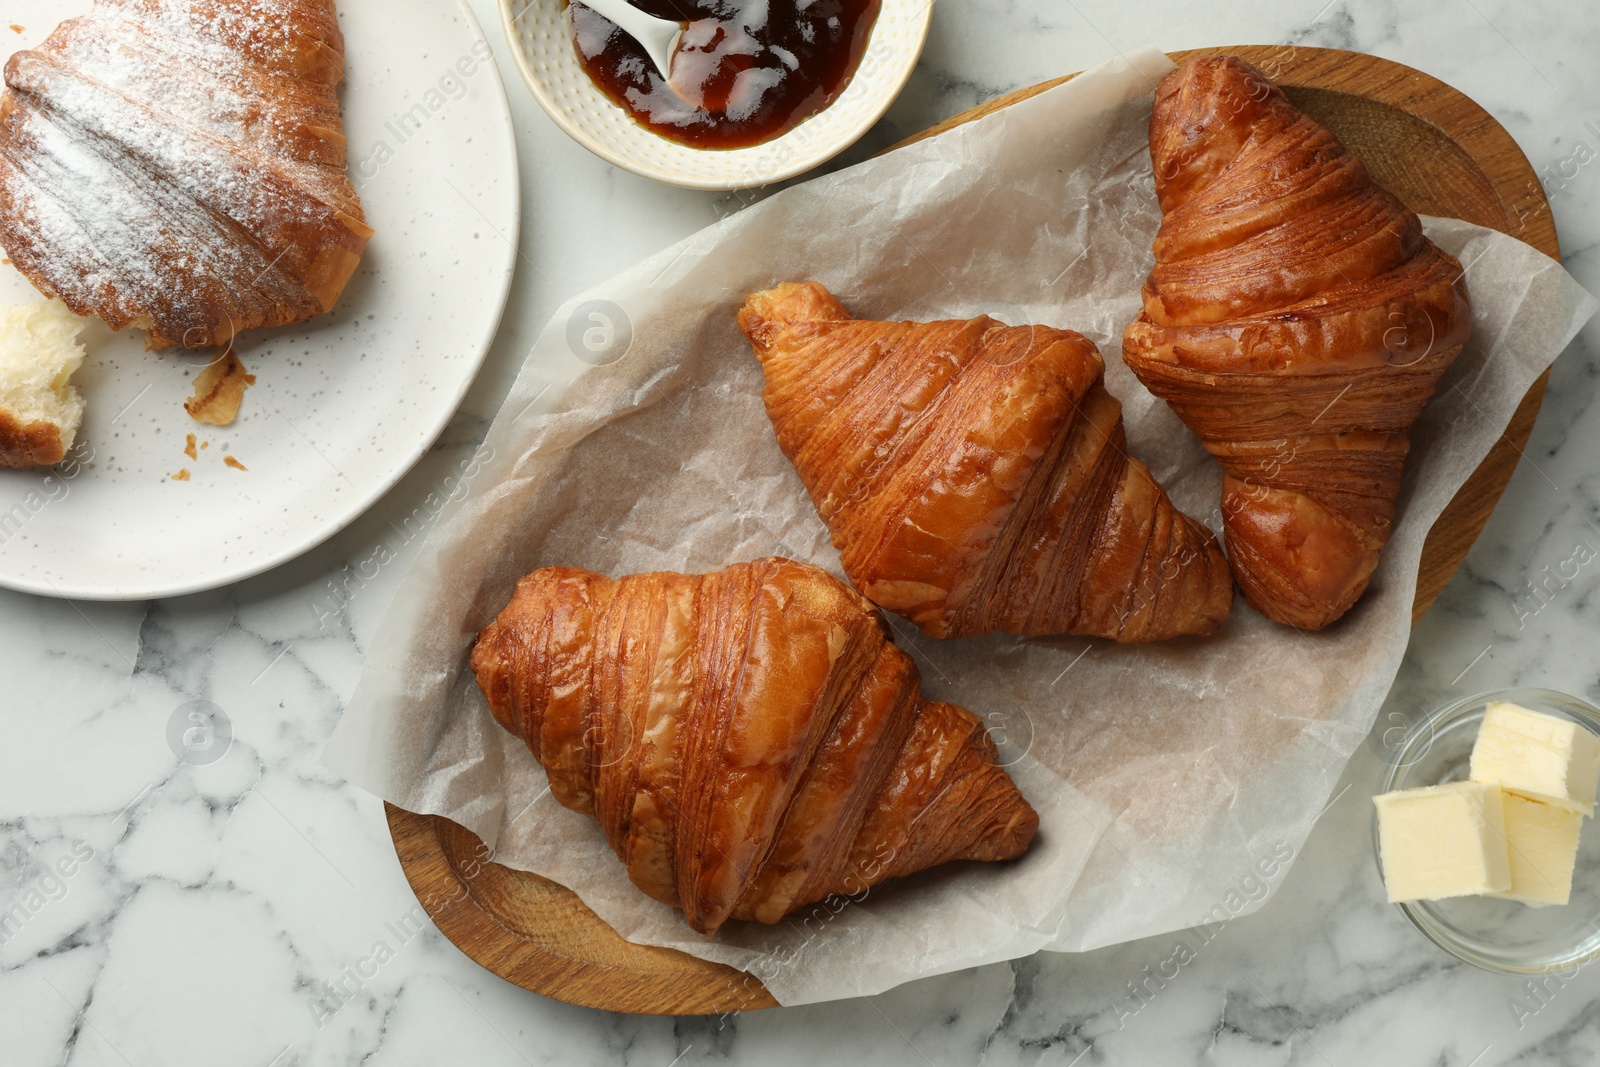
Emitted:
pixel 1172 780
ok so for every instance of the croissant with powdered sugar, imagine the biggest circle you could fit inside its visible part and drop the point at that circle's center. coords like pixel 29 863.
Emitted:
pixel 178 165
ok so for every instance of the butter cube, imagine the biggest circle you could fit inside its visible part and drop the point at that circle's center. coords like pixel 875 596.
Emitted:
pixel 1540 756
pixel 1443 841
pixel 1542 842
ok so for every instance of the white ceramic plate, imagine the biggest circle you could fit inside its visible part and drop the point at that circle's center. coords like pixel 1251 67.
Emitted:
pixel 344 404
pixel 541 43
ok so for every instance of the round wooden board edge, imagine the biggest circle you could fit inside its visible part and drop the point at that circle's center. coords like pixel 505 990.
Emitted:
pixel 644 980
pixel 711 988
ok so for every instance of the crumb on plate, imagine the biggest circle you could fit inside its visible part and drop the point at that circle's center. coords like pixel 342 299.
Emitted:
pixel 218 390
pixel 235 464
pixel 188 447
pixel 181 476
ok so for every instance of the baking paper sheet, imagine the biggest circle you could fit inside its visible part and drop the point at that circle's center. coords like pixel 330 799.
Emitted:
pixel 1172 780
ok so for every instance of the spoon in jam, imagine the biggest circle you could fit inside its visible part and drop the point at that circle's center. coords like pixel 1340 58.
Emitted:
pixel 740 72
pixel 658 37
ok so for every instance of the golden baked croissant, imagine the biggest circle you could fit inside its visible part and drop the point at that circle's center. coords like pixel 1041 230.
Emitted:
pixel 975 475
pixel 749 740
pixel 1297 320
pixel 178 165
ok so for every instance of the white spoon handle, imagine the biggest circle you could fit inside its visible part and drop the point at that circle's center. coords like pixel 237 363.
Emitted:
pixel 658 36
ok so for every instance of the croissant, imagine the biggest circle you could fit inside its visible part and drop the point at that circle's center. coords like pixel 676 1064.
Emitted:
pixel 178 165
pixel 750 741
pixel 975 476
pixel 1297 320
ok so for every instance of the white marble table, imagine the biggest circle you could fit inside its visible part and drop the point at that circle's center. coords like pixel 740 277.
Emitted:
pixel 229 912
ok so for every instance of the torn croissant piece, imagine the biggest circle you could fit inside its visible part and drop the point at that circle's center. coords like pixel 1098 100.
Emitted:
pixel 40 408
pixel 750 740
pixel 178 166
pixel 975 476
pixel 1298 321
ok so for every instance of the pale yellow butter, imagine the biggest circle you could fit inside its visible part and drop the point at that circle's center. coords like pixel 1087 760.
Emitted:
pixel 1540 756
pixel 1443 841
pixel 1542 847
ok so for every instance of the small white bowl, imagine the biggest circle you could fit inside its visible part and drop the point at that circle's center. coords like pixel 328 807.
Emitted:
pixel 541 42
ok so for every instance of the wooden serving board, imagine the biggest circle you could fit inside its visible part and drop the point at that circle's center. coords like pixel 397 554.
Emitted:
pixel 1438 151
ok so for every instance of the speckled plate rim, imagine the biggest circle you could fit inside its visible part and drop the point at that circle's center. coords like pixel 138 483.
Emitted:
pixel 405 461
pixel 511 12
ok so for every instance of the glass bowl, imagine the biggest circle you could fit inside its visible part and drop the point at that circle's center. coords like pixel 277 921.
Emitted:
pixel 1498 935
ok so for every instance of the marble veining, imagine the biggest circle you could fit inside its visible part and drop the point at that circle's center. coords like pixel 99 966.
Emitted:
pixel 180 882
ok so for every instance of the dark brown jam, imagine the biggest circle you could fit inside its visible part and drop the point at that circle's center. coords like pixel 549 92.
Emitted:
pixel 745 71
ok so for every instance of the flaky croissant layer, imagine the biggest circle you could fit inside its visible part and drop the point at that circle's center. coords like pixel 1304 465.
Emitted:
pixel 975 476
pixel 750 740
pixel 1298 321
